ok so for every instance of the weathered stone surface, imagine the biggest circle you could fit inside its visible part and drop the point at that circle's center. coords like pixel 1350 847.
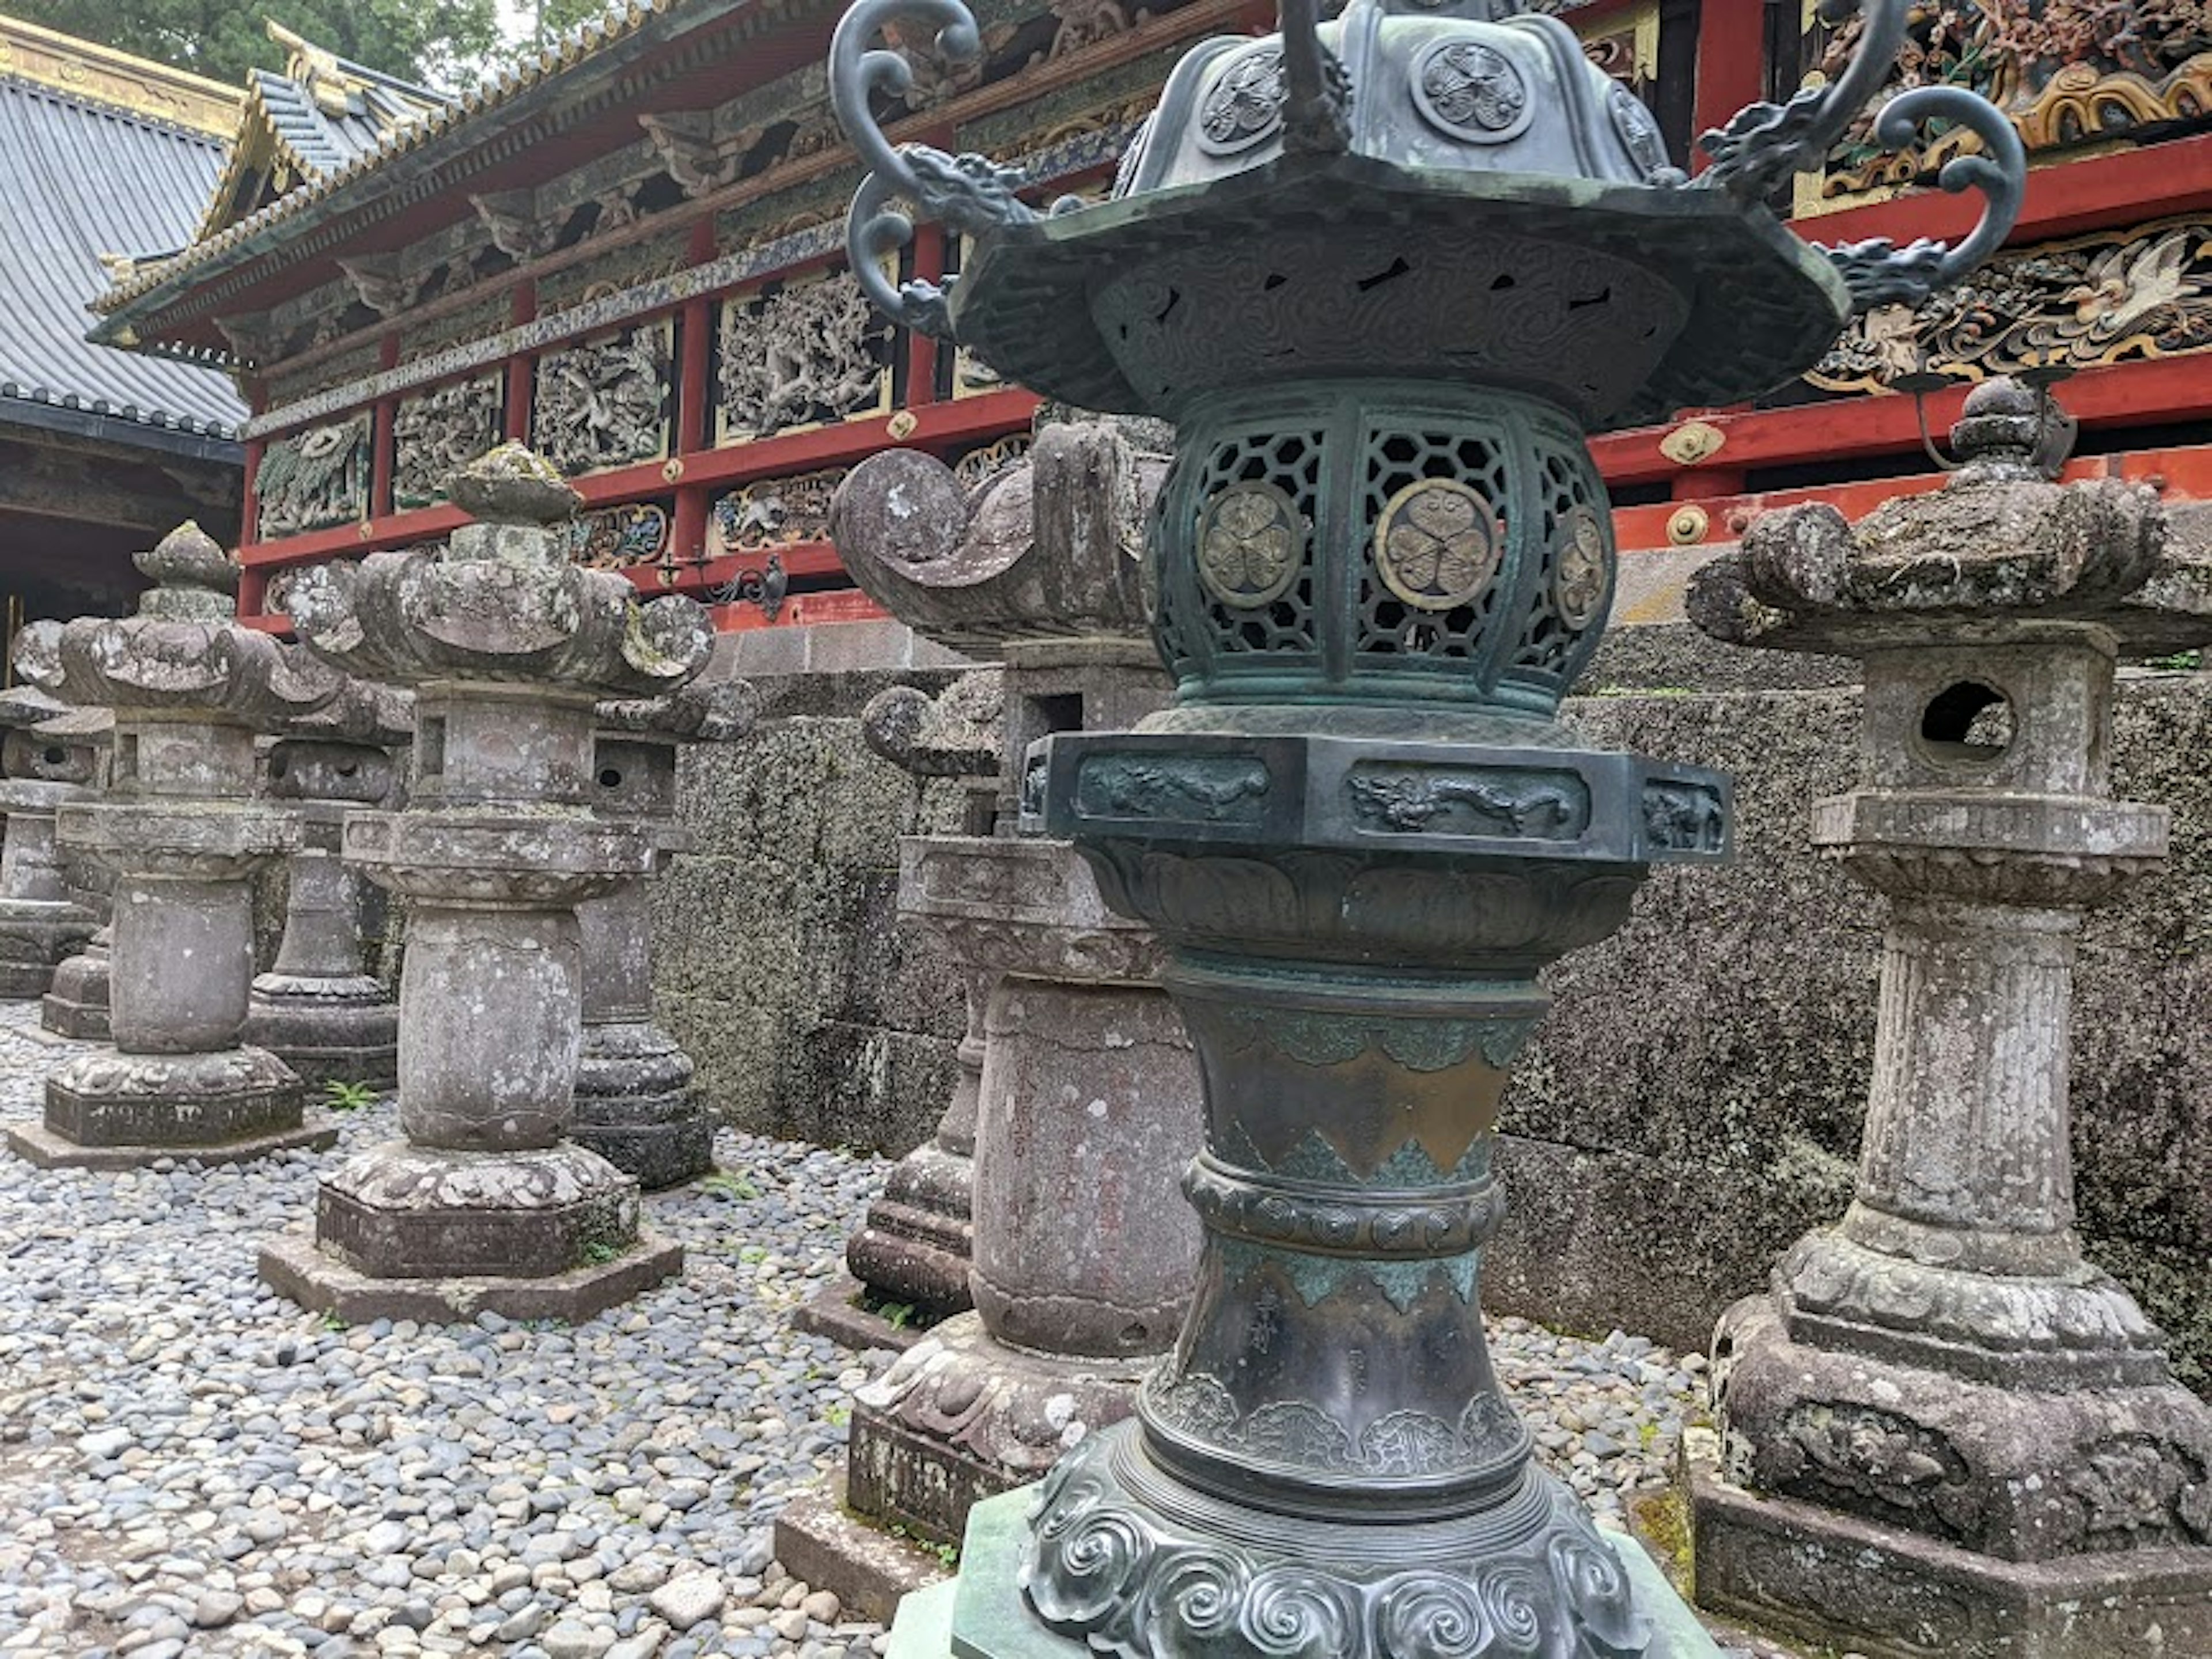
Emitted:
pixel 961 1417
pixel 112 1108
pixel 818 1538
pixel 1707 1065
pixel 76 1005
pixel 40 922
pixel 1942 1360
pixel 509 646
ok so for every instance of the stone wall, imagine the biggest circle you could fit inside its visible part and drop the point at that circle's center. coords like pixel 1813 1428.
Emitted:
pixel 1694 1101
pixel 778 962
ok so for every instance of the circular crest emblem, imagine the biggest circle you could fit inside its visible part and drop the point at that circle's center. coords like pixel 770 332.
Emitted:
pixel 1436 544
pixel 1638 132
pixel 1472 91
pixel 1250 543
pixel 1245 105
pixel 1581 568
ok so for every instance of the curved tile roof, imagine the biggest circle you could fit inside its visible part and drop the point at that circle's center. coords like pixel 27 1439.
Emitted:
pixel 624 19
pixel 82 179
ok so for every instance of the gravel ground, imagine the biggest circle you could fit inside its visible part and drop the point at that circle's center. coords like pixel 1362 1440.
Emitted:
pixel 190 1465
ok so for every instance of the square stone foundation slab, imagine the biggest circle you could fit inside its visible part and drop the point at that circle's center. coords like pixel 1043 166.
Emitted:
pixel 834 1311
pixel 981 1615
pixel 820 1541
pixel 1834 1579
pixel 296 1269
pixel 37 1144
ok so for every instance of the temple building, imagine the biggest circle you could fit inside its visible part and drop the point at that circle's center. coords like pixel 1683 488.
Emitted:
pixel 101 450
pixel 631 254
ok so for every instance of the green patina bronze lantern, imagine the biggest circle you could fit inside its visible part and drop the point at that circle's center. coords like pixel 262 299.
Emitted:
pixel 1384 273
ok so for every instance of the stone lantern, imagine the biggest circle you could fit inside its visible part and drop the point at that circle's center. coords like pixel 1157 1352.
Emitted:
pixel 1087 1093
pixel 1382 274
pixel 316 1009
pixel 636 1104
pixel 41 769
pixel 1942 1429
pixel 188 686
pixel 509 646
pixel 915 1244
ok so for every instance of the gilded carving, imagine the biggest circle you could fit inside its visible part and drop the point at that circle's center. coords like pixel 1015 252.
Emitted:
pixel 617 537
pixel 805 354
pixel 606 402
pixel 773 513
pixel 986 461
pixel 439 432
pixel 2089 300
pixel 1251 542
pixel 2065 73
pixel 1436 544
pixel 314 479
pixel 1581 568
pixel 1086 23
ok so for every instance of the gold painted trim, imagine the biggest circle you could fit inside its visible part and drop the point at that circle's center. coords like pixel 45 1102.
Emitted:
pixel 48 58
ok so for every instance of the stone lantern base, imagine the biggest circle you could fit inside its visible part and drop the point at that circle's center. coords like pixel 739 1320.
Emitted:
pixel 35 935
pixel 413 1232
pixel 637 1107
pixel 328 1031
pixel 1902 1510
pixel 109 1110
pixel 75 1004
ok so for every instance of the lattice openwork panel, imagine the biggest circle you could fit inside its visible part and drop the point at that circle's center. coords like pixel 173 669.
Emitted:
pixel 1434 533
pixel 1257 508
pixel 1573 586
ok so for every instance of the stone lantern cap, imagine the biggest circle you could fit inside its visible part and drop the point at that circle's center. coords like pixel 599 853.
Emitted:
pixel 184 653
pixel 704 711
pixel 1998 548
pixel 1026 554
pixel 957 735
pixel 501 601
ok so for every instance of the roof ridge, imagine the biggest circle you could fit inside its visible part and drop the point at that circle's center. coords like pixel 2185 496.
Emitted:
pixel 84 100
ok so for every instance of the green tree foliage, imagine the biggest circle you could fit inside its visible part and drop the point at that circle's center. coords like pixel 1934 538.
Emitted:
pixel 548 19
pixel 437 42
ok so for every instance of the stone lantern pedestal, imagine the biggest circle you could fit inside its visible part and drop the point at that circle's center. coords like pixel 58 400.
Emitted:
pixel 636 1104
pixel 1941 1430
pixel 40 771
pixel 509 646
pixel 914 1248
pixel 1086 1092
pixel 188 686
pixel 316 1009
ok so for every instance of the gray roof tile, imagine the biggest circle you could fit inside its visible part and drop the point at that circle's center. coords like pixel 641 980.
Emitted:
pixel 76 181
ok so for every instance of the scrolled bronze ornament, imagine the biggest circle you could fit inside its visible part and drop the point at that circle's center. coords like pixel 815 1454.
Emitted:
pixel 970 193
pixel 1877 272
pixel 1765 143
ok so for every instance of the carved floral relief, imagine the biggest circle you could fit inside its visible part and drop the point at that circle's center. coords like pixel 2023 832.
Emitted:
pixel 773 513
pixel 313 479
pixel 2101 299
pixel 2066 73
pixel 606 402
pixel 438 432
pixel 801 355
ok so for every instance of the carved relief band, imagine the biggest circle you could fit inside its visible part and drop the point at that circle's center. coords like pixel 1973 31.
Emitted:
pixel 437 433
pixel 801 355
pixel 314 479
pixel 606 402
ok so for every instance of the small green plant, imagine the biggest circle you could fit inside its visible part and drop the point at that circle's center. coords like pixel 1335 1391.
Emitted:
pixel 947 1554
pixel 2183 659
pixel 753 1253
pixel 728 1183
pixel 837 1415
pixel 897 1314
pixel 332 1322
pixel 341 1097
pixel 600 1252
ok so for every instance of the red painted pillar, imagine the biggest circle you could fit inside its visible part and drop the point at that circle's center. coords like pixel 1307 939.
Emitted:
pixel 1731 64
pixel 518 365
